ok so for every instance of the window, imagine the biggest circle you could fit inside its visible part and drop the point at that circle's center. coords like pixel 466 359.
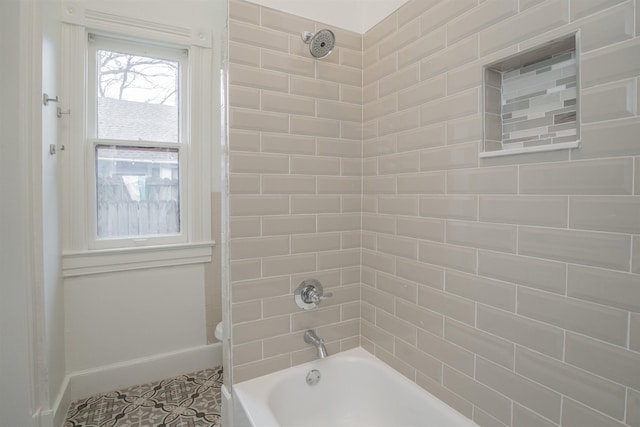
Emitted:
pixel 138 140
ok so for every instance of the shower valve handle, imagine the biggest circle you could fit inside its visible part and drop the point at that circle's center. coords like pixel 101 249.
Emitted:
pixel 309 293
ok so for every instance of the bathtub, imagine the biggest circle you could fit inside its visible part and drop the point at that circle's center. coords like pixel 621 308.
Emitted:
pixel 355 389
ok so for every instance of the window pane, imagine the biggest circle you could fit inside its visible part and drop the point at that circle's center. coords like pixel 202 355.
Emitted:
pixel 137 191
pixel 138 97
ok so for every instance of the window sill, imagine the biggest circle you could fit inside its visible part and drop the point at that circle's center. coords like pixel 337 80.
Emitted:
pixel 112 260
pixel 535 149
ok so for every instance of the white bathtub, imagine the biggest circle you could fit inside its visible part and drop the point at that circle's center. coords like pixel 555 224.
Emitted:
pixel 355 390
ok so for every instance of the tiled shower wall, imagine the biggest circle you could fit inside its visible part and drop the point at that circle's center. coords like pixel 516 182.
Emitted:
pixel 508 287
pixel 295 188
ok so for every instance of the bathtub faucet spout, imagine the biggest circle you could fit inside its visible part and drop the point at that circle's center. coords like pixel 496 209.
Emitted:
pixel 310 337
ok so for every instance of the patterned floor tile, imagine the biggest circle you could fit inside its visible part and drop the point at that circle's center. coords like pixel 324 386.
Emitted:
pixel 192 400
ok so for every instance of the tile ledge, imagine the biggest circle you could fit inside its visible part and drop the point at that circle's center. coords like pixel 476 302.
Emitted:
pixel 535 149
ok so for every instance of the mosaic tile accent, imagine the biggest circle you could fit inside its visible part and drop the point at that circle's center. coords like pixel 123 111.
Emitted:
pixel 192 400
pixel 539 102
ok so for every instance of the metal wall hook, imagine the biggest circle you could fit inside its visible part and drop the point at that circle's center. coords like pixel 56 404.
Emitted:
pixel 59 112
pixel 46 99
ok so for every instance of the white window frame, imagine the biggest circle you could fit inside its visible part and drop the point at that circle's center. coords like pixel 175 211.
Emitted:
pixel 142 48
pixel 83 253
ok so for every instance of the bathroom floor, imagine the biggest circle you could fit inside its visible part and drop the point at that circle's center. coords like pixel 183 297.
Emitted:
pixel 191 400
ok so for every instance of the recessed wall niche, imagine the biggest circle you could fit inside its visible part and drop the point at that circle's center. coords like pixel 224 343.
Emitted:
pixel 531 100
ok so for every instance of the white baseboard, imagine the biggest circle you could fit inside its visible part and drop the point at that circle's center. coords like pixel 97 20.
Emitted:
pixel 86 383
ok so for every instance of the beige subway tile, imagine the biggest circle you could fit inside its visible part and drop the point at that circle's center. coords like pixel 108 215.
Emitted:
pixel 395 363
pixel 424 92
pixel 315 126
pixel 461 78
pixel 352 204
pixel 380 108
pixel 614 63
pixel 498 237
pixel 609 139
pixel 379 69
pixel 241 183
pixel 315 204
pixel 246 269
pixel 482 418
pixel 449 353
pixel 339 111
pixel 258 36
pixel 351 130
pixel 422 183
pixel 339 148
pixel 487 291
pixel 400 80
pixel 259 247
pixel 451 107
pixel 338 259
pixel 483 16
pixel 423 319
pixel 244 97
pixel 575 414
pixel 257 120
pixel 633 408
pixel 285 225
pixel 580 247
pixel 247 353
pixel 592 390
pixel 495 180
pixel 442 13
pixel 615 363
pixel 377 336
pixel 421 48
pixel 431 136
pixel 243 11
pixel 405 35
pixel 636 183
pixel 245 227
pixel 398 122
pixel 413 9
pixel 397 327
pixel 315 243
pixel 315 165
pixel 383 29
pixel 607 177
pixel 351 167
pixel 614 213
pixel 338 74
pixel 339 185
pixel 449 207
pixel 276 266
pixel 634 334
pixel 240 53
pixel 549 211
pixel 258 163
pixel 314 318
pixel 480 343
pixel 283 344
pixel 260 329
pixel 447 304
pixel 378 261
pixel 540 399
pixel 537 336
pixel 287 63
pixel 377 299
pixel 611 26
pixel 379 146
pixel 379 185
pixel 246 311
pixel 480 395
pixel 315 88
pixel 340 331
pixel 399 163
pixel 526 158
pixel 279 306
pixel 353 59
pixel 580 316
pixel 527 24
pixel 256 289
pixel 394 205
pixel 351 94
pixel 240 140
pixel 258 205
pixel 288 184
pixel 240 75
pixel 464 130
pixel 338 222
pixel 424 363
pixel 532 272
pixel 328 278
pixel 352 311
pixel 421 228
pixel 261 367
pixel 379 223
pixel 458 156
pixel 398 246
pixel 523 417
pixel 455 55
pixel 635 259
pixel 288 144
pixel 580 9
pixel 285 22
pixel 370 93
pixel 284 103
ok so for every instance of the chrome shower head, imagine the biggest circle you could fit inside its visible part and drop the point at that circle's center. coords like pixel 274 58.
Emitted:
pixel 321 43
